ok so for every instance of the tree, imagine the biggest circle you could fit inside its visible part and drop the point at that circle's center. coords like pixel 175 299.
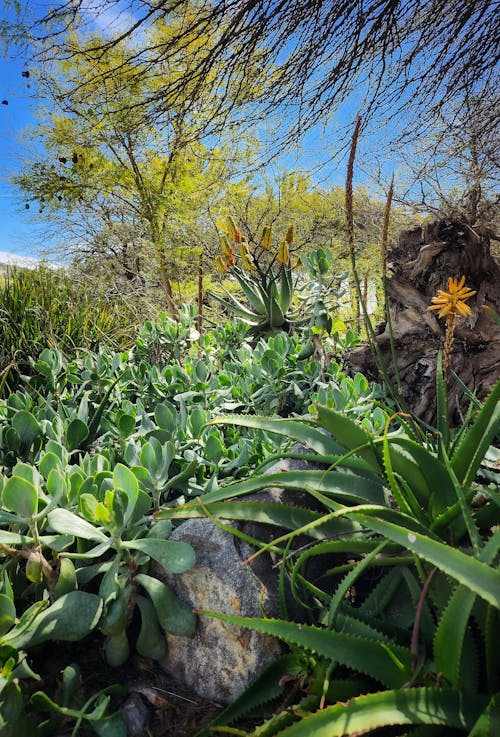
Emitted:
pixel 411 56
pixel 109 155
pixel 454 171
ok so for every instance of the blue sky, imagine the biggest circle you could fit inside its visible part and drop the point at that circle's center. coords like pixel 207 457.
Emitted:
pixel 17 231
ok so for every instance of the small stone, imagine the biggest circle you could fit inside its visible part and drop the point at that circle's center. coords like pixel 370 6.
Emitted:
pixel 136 716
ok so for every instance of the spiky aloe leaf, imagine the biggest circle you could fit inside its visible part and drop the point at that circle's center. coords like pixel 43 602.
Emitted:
pixel 286 288
pixel 450 633
pixel 349 434
pixel 389 665
pixel 349 581
pixel 250 317
pixel 488 723
pixel 300 431
pixel 343 486
pixel 363 714
pixel 470 452
pixel 472 573
pixel 271 513
pixel 264 689
pixel 276 316
pixel 401 490
pixel 251 293
pixel 442 402
pixel 428 478
pixel 382 593
pixel 449 638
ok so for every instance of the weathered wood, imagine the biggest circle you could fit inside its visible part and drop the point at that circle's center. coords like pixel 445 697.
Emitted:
pixel 421 263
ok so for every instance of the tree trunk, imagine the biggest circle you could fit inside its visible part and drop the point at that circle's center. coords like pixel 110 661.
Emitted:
pixel 421 264
pixel 165 282
pixel 199 317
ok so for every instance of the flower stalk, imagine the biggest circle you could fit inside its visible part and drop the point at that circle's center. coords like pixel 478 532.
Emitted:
pixel 452 305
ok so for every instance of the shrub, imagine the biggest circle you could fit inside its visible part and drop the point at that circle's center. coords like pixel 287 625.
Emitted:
pixel 43 308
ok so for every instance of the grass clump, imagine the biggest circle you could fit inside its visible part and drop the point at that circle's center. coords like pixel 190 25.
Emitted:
pixel 43 307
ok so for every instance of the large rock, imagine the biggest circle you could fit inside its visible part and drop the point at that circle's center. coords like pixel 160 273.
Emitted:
pixel 221 660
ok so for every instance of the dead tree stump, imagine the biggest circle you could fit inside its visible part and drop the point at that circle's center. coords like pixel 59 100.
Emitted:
pixel 420 264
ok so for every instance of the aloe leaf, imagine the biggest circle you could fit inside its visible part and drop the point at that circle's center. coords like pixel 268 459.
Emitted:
pixel 467 516
pixel 286 288
pixel 389 665
pixel 488 723
pixel 265 688
pixel 404 504
pixel 344 486
pixel 422 470
pixel 276 316
pixel 472 573
pixel 470 452
pixel 442 402
pixel 348 582
pixel 345 545
pixel 449 638
pixel 251 317
pixel 383 592
pixel 96 417
pixel 251 293
pixel 450 633
pixel 349 434
pixel 492 620
pixel 362 714
pixel 271 513
pixel 293 429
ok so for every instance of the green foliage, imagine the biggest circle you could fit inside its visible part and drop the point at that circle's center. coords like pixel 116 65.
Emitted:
pixel 43 307
pixel 91 447
pixel 422 626
pixel 398 582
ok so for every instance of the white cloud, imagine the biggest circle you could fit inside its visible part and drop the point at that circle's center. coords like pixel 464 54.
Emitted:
pixel 14 259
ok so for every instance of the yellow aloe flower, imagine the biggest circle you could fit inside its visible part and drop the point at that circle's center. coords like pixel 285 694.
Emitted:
pixel 220 264
pixel 283 254
pixel 246 257
pixel 267 238
pixel 233 232
pixel 290 236
pixel 453 301
pixel 226 248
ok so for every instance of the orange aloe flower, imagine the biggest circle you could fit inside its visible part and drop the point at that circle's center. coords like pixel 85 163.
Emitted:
pixel 453 301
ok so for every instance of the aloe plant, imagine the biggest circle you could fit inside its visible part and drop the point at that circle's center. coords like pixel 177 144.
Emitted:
pixel 266 280
pixel 427 625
